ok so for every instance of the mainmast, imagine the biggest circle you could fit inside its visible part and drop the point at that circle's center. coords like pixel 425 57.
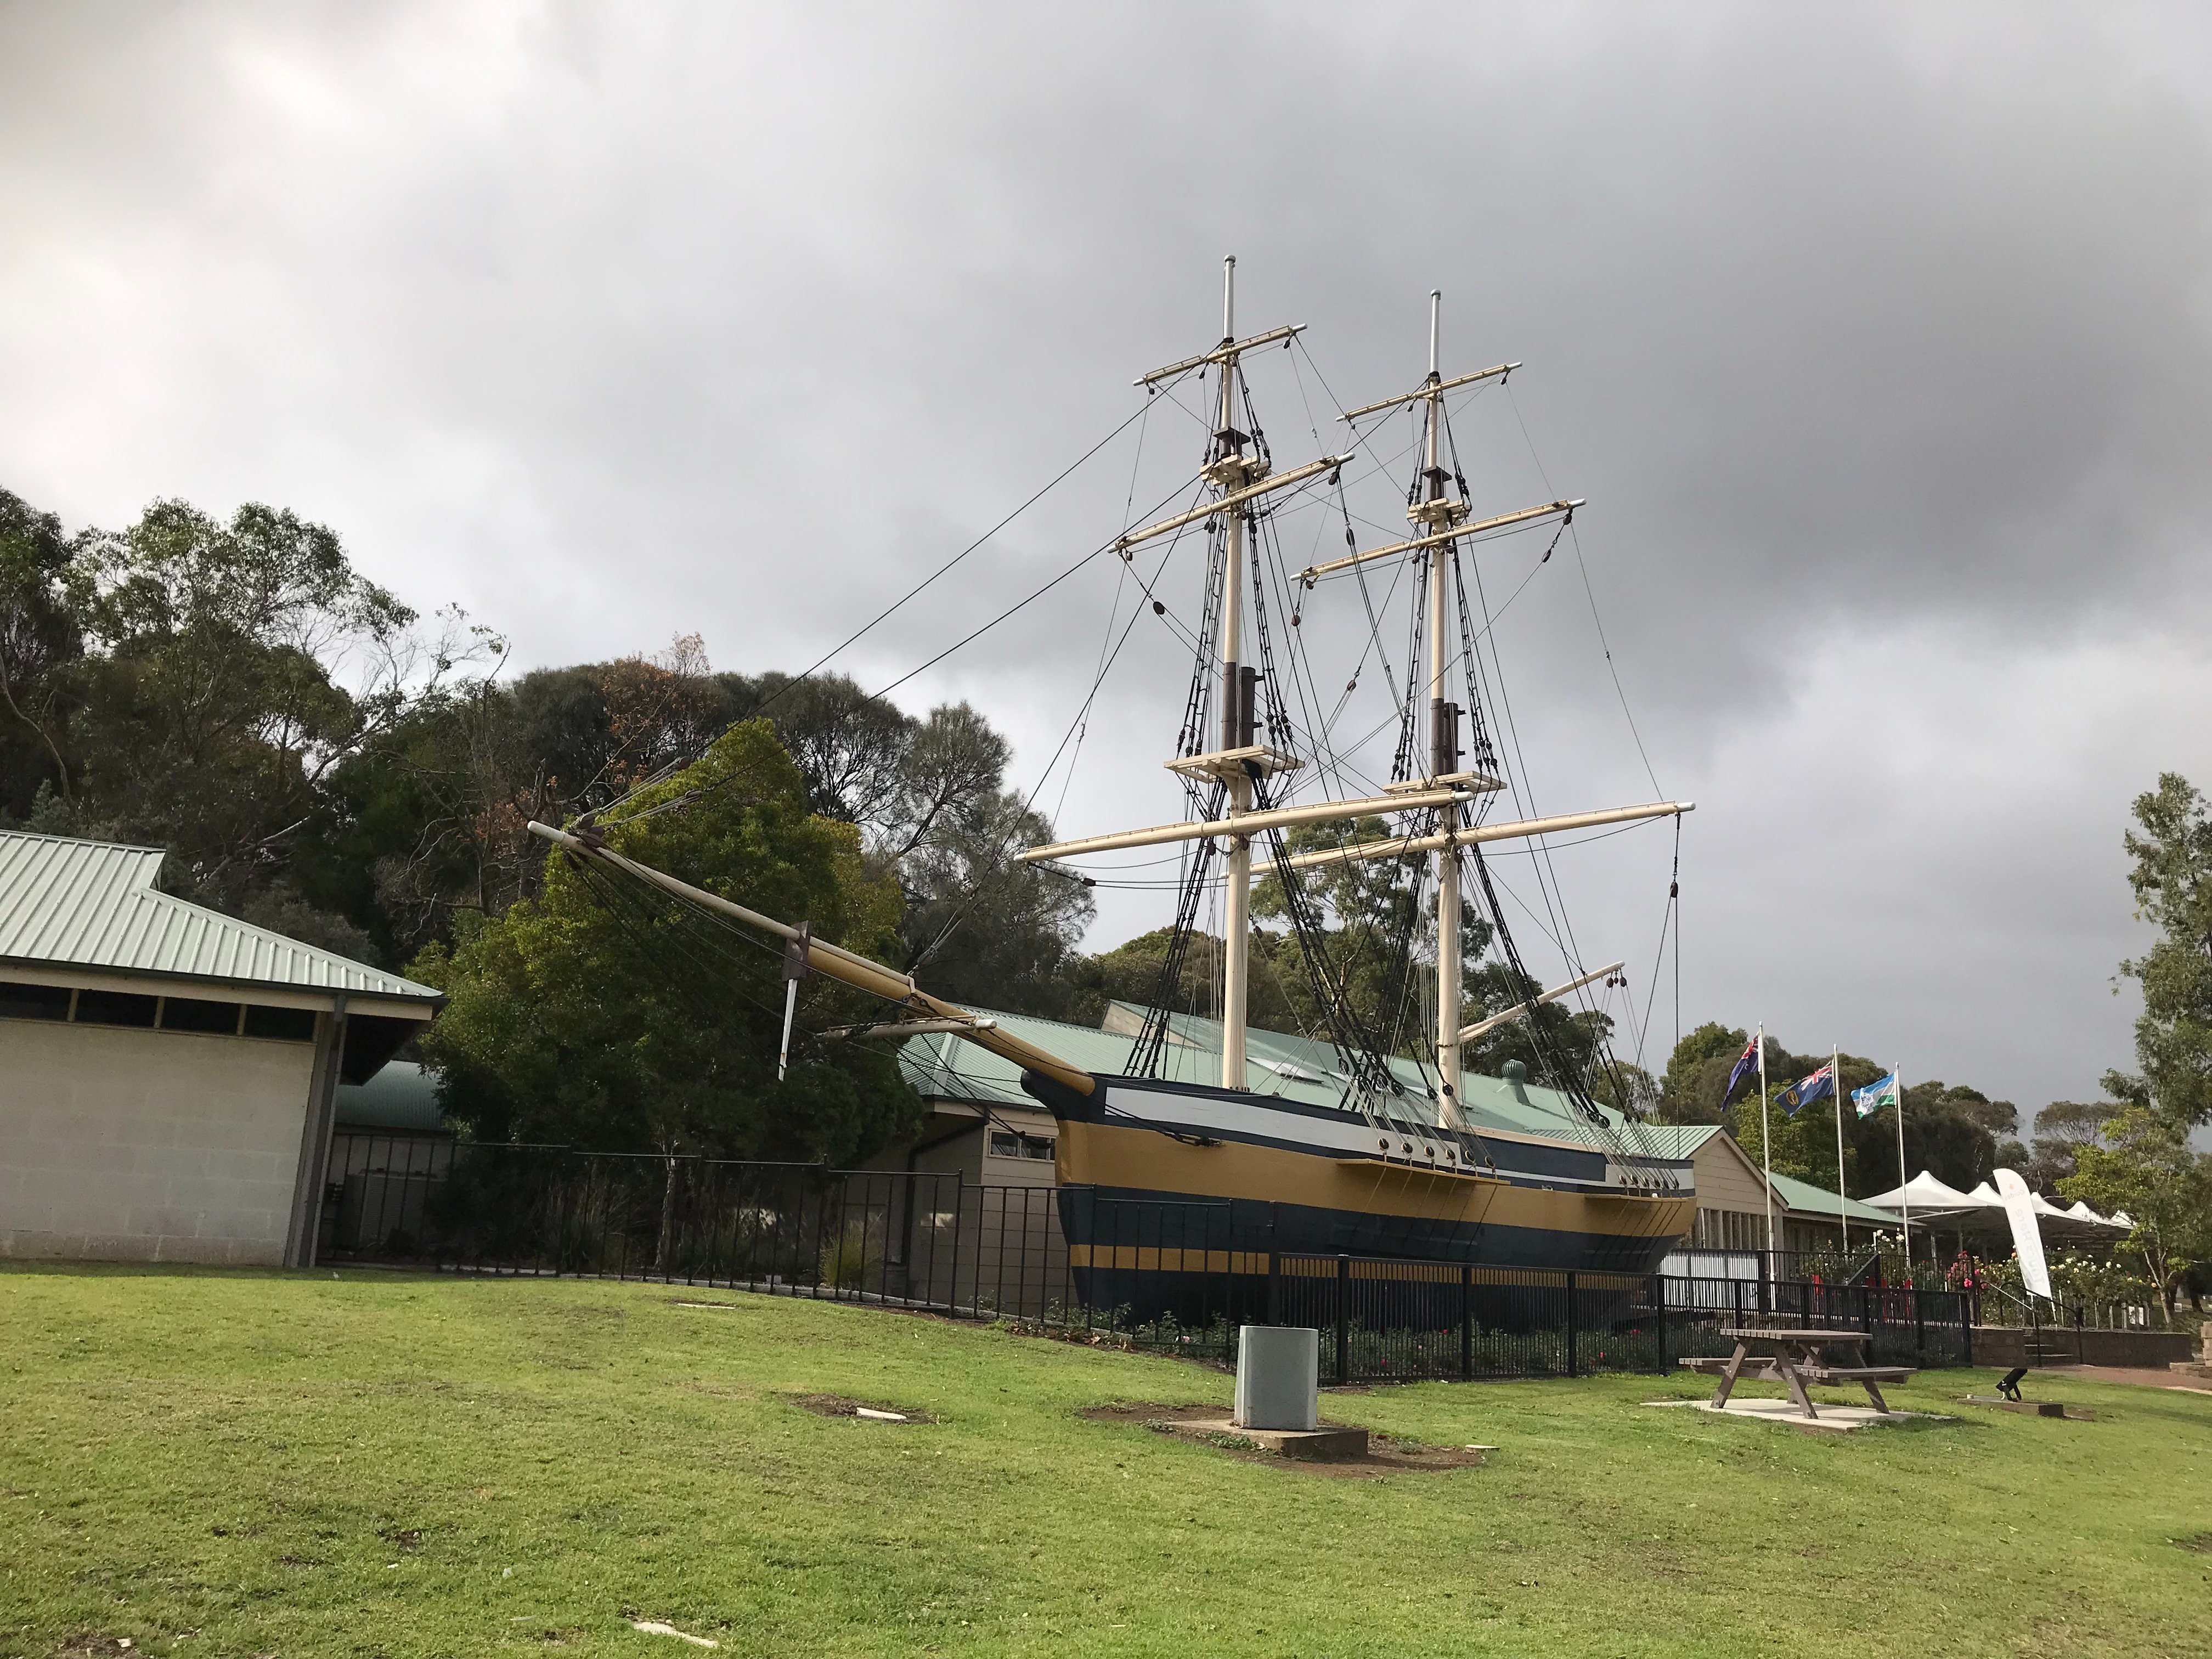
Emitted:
pixel 1435 513
pixel 1229 471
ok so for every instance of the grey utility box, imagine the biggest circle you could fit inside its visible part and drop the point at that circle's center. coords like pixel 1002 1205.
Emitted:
pixel 1278 1377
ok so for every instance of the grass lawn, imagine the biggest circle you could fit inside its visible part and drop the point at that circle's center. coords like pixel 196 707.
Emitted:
pixel 308 1465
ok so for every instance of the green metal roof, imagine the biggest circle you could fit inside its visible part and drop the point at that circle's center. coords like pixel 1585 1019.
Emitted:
pixel 401 1097
pixel 944 1067
pixel 1803 1198
pixel 92 904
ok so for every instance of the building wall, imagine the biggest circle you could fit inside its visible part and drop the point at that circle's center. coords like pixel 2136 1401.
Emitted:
pixel 1731 1203
pixel 2002 1346
pixel 147 1145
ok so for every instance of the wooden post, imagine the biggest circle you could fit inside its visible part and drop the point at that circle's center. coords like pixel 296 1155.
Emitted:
pixel 1573 1367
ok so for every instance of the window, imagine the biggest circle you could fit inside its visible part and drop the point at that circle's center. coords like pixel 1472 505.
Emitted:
pixel 1730 1230
pixel 280 1025
pixel 193 1014
pixel 34 1001
pixel 114 1008
pixel 1005 1144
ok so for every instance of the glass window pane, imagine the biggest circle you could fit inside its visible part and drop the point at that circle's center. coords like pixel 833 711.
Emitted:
pixel 114 1008
pixel 280 1025
pixel 34 1001
pixel 194 1014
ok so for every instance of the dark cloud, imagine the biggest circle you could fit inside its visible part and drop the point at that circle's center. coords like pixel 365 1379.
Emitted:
pixel 1877 338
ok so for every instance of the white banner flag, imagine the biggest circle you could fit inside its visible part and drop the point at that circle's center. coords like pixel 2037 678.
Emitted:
pixel 2026 1238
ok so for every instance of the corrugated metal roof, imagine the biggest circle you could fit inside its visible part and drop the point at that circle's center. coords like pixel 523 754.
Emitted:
pixel 92 904
pixel 403 1096
pixel 1803 1198
pixel 1277 1063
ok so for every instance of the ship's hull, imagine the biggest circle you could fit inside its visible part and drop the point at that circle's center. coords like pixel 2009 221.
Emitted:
pixel 1176 1197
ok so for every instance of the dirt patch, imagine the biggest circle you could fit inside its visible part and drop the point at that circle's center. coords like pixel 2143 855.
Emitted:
pixel 1385 1454
pixel 2201 1543
pixel 868 1411
pixel 85 1644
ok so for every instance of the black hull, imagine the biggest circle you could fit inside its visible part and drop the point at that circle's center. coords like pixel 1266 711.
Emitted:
pixel 1181 1200
pixel 1145 1256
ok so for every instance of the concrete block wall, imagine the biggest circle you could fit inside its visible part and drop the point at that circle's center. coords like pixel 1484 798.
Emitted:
pixel 2003 1346
pixel 138 1145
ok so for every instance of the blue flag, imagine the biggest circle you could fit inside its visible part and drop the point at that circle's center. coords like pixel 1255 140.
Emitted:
pixel 1749 1061
pixel 1807 1089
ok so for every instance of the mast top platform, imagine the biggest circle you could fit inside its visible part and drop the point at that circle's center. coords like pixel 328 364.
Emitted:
pixel 1474 783
pixel 1254 761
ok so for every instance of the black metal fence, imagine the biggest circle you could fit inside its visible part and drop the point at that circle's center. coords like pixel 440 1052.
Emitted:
pixel 1166 1277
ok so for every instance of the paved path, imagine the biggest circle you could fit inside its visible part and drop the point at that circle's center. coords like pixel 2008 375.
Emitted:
pixel 2142 1377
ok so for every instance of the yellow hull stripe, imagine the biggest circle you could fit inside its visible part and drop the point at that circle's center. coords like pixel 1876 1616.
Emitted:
pixel 1110 1155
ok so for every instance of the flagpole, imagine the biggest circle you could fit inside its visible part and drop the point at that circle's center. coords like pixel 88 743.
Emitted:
pixel 1904 1186
pixel 1766 1152
pixel 1836 1088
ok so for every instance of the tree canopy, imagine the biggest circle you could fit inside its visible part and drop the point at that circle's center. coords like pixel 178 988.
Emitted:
pixel 2170 852
pixel 602 1013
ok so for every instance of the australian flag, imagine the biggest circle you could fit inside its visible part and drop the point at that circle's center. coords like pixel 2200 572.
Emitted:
pixel 1807 1089
pixel 1748 1062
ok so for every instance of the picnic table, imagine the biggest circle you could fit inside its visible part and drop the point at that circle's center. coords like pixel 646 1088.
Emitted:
pixel 1799 1356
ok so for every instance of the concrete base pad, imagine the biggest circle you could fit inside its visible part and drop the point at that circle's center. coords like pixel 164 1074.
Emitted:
pixel 1322 1445
pixel 1837 1419
pixel 2025 1408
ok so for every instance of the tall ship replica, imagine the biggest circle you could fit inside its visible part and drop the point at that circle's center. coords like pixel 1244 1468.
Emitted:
pixel 1396 1164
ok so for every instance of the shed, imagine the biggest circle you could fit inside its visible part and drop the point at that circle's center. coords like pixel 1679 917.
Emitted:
pixel 168 1074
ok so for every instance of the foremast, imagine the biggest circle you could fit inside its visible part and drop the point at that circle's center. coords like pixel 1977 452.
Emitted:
pixel 1230 470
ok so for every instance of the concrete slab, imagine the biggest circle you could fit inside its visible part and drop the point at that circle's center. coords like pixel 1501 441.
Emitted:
pixel 2025 1408
pixel 1322 1445
pixel 1832 1420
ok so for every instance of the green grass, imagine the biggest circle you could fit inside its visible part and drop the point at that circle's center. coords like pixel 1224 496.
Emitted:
pixel 249 1457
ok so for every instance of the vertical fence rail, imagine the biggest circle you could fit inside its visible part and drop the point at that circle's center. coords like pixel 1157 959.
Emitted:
pixel 1177 1277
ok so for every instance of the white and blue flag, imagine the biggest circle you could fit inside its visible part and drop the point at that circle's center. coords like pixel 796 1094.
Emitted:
pixel 1881 1092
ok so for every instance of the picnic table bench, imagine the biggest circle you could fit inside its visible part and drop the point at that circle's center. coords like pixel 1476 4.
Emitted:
pixel 1799 1357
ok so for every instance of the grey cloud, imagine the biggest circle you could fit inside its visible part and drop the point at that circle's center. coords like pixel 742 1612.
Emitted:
pixel 1857 327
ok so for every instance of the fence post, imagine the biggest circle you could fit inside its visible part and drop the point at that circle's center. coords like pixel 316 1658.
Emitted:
pixel 1919 1326
pixel 1965 1329
pixel 1736 1298
pixel 1659 1314
pixel 1573 1311
pixel 1466 1323
pixel 1343 1320
pixel 959 1214
pixel 1274 1282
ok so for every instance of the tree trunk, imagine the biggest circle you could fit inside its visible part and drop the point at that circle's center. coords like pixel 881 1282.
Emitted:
pixel 662 1245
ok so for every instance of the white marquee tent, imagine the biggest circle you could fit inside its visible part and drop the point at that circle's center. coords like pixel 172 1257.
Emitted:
pixel 1936 1204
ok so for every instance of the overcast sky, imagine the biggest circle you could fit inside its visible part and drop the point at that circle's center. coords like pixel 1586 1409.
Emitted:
pixel 1879 339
